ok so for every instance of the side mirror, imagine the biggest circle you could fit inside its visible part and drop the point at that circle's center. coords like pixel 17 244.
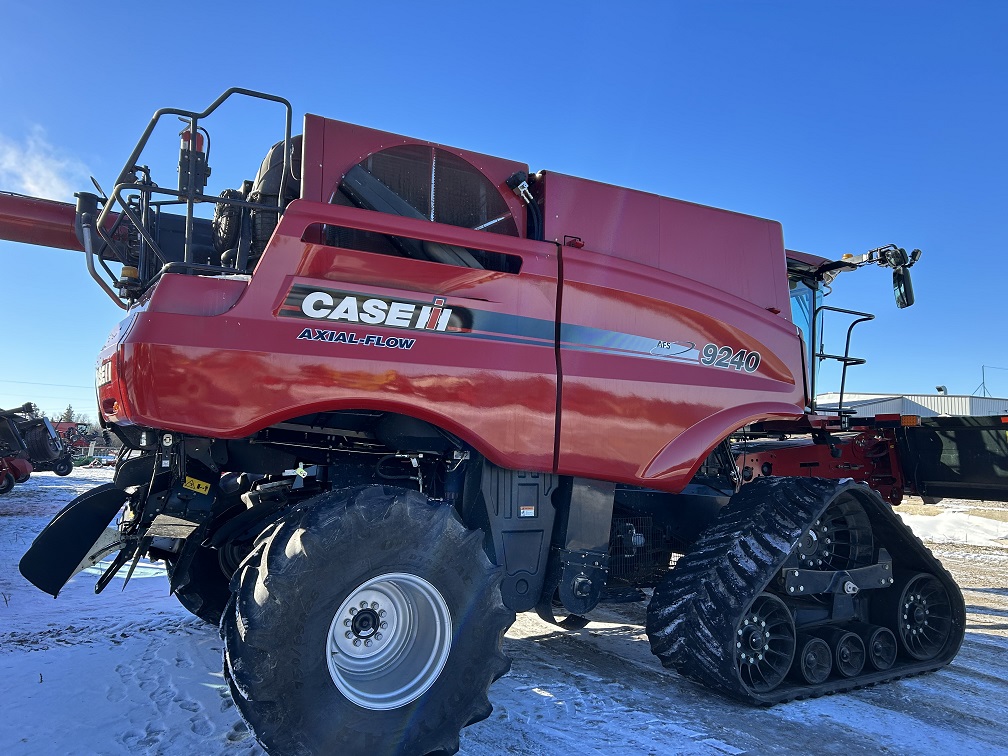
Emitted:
pixel 902 287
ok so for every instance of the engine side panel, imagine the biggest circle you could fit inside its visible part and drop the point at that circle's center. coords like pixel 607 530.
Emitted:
pixel 642 398
pixel 287 348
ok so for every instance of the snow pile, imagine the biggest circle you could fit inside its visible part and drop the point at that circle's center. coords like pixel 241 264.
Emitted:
pixel 958 527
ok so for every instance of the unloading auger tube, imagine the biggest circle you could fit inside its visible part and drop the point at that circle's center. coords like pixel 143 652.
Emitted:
pixel 792 592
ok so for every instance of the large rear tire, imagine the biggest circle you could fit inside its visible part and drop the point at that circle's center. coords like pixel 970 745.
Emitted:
pixel 369 620
pixel 6 483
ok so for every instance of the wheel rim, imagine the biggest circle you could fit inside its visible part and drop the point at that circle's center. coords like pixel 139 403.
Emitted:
pixel 230 556
pixel 925 617
pixel 389 641
pixel 850 654
pixel 841 539
pixel 764 644
pixel 816 661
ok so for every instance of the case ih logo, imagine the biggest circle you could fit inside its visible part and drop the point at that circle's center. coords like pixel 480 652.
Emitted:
pixel 321 304
pixel 103 373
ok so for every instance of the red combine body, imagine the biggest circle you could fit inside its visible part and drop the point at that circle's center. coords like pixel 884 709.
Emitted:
pixel 495 341
pixel 394 392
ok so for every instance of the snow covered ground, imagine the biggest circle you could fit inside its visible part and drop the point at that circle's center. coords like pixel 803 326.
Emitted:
pixel 954 525
pixel 133 672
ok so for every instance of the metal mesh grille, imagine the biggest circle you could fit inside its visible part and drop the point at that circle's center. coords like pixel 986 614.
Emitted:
pixel 464 197
pixel 640 553
pixel 426 177
pixel 406 170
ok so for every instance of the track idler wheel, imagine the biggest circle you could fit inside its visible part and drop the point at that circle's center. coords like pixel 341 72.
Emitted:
pixel 848 652
pixel 765 644
pixel 880 645
pixel 813 662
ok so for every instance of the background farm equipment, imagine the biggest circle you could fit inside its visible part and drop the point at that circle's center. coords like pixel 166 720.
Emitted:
pixel 28 442
pixel 85 445
pixel 13 471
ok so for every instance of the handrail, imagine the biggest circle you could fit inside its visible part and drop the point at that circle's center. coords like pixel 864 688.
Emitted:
pixel 127 180
pixel 846 360
pixel 86 228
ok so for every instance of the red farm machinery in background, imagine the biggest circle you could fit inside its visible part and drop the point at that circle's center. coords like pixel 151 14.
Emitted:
pixel 29 443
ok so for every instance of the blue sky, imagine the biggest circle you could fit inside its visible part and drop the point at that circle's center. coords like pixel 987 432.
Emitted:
pixel 855 124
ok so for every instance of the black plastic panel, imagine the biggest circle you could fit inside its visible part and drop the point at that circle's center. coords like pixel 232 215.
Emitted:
pixel 957 457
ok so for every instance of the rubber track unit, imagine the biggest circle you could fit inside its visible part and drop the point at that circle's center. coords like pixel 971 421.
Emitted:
pixel 693 615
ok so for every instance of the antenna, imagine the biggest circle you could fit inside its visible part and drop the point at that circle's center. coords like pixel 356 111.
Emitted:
pixel 982 388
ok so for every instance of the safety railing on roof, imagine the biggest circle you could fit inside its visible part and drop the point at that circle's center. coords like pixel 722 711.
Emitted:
pixel 129 239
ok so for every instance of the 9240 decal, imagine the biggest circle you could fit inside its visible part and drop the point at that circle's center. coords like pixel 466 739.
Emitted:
pixel 726 357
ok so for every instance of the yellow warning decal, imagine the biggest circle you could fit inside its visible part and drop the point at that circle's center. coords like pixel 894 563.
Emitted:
pixel 196 485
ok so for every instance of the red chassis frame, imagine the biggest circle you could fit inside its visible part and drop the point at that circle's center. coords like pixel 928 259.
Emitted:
pixel 867 454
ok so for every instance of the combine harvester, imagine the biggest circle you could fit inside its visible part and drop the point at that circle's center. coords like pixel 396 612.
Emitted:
pixel 394 392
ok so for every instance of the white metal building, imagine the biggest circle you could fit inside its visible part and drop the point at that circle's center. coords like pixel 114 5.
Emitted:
pixel 925 405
